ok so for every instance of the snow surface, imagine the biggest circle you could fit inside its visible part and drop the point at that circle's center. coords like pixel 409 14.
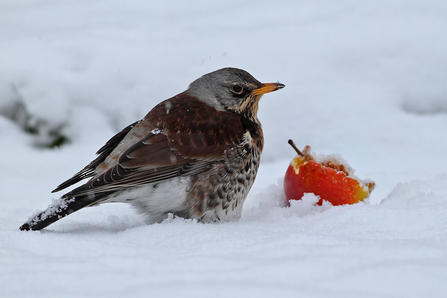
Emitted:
pixel 364 79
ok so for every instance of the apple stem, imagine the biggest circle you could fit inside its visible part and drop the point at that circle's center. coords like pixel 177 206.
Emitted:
pixel 291 143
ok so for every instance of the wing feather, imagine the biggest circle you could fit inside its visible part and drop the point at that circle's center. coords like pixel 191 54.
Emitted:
pixel 103 152
pixel 173 146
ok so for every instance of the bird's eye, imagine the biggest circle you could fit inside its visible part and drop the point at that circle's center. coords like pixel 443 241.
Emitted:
pixel 237 89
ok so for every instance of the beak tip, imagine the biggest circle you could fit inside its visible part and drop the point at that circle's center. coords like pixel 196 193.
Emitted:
pixel 279 85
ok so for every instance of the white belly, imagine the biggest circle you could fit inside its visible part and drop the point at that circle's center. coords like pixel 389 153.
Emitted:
pixel 155 201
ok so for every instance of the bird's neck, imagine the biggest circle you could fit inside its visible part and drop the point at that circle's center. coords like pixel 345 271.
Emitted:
pixel 253 126
pixel 249 109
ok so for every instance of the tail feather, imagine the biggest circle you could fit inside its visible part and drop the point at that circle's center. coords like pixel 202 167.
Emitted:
pixel 59 209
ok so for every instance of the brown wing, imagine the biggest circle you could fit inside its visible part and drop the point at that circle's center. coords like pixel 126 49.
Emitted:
pixel 103 152
pixel 185 137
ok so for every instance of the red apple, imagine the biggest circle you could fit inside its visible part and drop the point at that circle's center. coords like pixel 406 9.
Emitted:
pixel 329 178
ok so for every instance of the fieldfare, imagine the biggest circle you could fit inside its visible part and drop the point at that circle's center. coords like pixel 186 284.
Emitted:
pixel 194 155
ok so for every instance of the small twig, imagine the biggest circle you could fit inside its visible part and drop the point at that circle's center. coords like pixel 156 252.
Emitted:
pixel 291 143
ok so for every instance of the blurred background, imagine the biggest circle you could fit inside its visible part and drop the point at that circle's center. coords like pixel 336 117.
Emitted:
pixel 366 80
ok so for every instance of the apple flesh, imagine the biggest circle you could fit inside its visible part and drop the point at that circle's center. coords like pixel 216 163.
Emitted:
pixel 328 178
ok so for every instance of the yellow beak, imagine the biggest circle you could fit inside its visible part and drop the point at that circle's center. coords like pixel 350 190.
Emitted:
pixel 268 87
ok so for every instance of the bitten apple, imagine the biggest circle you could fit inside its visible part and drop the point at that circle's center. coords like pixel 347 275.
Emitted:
pixel 328 177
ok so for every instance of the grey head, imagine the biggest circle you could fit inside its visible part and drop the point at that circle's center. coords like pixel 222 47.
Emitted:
pixel 224 89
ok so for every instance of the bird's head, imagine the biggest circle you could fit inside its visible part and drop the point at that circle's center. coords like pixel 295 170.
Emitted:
pixel 233 90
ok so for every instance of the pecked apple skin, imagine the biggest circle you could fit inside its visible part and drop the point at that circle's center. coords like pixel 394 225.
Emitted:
pixel 330 182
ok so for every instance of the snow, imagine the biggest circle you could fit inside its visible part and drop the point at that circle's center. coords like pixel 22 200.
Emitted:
pixel 364 79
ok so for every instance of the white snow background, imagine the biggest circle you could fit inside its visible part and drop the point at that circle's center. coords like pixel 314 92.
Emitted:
pixel 364 79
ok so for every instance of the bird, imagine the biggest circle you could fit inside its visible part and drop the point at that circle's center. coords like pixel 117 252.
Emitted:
pixel 194 155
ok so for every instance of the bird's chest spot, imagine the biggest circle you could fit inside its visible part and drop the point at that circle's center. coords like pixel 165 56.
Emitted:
pixel 220 194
